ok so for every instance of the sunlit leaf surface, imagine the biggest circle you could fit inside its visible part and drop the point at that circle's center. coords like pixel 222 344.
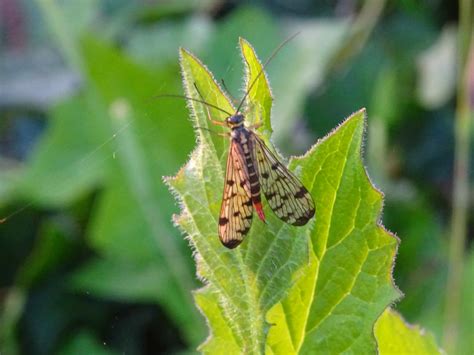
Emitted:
pixel 286 289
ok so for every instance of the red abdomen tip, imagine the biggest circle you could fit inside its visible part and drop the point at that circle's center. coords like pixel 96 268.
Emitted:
pixel 259 208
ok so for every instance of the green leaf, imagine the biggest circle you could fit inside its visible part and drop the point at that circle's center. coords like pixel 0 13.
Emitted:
pixel 84 342
pixel 259 99
pixel 52 249
pixel 318 288
pixel 91 142
pixel 353 254
pixel 395 336
pixel 68 160
pixel 132 223
pixel 125 280
pixel 246 288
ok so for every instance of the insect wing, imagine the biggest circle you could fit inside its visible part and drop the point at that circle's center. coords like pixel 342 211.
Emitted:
pixel 287 197
pixel 236 211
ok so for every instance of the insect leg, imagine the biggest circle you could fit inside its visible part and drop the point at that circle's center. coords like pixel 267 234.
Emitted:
pixel 222 134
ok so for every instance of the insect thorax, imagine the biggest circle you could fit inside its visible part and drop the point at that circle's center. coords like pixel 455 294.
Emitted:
pixel 240 134
pixel 235 120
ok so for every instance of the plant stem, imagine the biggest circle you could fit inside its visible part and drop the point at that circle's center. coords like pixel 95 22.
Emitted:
pixel 462 127
pixel 360 31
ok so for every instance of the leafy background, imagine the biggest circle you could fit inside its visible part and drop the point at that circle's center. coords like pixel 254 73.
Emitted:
pixel 90 261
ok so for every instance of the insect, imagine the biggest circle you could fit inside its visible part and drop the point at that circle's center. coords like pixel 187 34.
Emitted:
pixel 252 168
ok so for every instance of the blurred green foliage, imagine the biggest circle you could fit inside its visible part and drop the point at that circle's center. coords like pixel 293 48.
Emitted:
pixel 90 260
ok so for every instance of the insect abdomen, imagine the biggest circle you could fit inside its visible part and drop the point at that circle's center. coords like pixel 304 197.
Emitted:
pixel 244 140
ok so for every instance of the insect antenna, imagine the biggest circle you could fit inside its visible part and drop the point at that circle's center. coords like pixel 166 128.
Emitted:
pixel 263 68
pixel 193 99
pixel 198 91
pixel 228 91
pixel 202 97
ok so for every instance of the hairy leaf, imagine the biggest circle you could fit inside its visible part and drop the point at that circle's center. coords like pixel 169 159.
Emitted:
pixel 314 289
pixel 395 336
pixel 251 279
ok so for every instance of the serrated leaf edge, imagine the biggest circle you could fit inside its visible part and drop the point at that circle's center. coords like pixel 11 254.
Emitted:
pixel 378 222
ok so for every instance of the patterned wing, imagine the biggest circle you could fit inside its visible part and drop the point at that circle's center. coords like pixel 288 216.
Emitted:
pixel 285 194
pixel 236 211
